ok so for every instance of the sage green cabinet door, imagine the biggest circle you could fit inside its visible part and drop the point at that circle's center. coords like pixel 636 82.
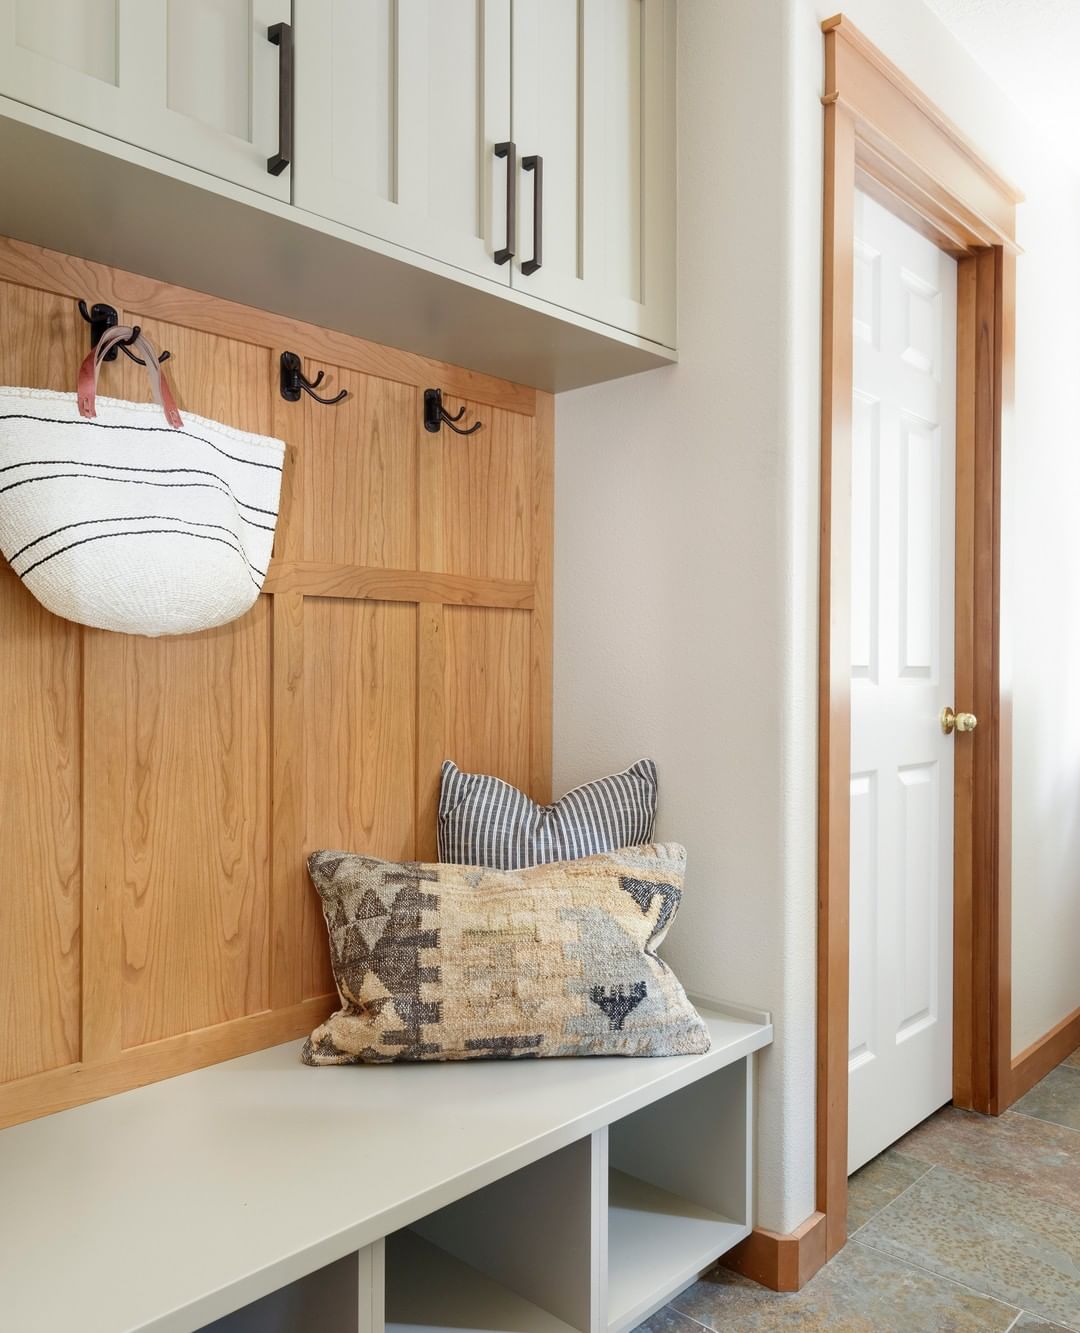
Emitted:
pixel 594 98
pixel 400 104
pixel 193 80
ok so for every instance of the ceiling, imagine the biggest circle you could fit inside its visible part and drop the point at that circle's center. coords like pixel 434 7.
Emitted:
pixel 1031 49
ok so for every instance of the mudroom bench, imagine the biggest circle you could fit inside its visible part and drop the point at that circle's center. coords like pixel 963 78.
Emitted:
pixel 260 1196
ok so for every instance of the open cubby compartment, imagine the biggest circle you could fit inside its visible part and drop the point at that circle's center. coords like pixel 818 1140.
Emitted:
pixel 679 1190
pixel 521 1255
pixel 343 1297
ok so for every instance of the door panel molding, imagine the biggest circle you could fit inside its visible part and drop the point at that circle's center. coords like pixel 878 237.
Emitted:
pixel 883 136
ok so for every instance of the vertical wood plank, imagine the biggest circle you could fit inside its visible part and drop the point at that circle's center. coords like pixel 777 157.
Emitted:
pixel 430 726
pixel 359 462
pixel 431 748
pixel 41 892
pixel 486 495
pixel 289 888
pixel 40 836
pixel 360 743
pixel 103 815
pixel 184 729
pixel 487 690
pixel 543 548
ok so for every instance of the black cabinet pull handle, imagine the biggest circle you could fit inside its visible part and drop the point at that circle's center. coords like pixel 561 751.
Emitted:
pixel 535 163
pixel 281 34
pixel 509 151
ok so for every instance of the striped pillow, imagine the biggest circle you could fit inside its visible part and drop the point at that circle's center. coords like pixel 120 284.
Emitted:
pixel 483 821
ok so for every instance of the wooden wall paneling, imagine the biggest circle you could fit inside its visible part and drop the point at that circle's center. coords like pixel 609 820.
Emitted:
pixel 196 725
pixel 217 377
pixel 290 886
pixel 359 460
pixel 406 617
pixel 488 667
pixel 40 836
pixel 360 741
pixel 288 812
pixel 188 749
pixel 41 942
pixel 431 735
pixel 486 484
pixel 543 553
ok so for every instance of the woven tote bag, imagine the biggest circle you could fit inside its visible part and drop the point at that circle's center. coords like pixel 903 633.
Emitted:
pixel 116 518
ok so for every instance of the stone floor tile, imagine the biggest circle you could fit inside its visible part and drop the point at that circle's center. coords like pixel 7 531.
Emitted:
pixel 993 1238
pixel 1027 1154
pixel 668 1320
pixel 876 1184
pixel 860 1291
pixel 1056 1098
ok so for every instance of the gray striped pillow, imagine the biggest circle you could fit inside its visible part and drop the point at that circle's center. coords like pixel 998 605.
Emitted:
pixel 483 821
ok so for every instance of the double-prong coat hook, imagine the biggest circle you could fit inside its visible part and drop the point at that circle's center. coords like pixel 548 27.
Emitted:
pixel 436 416
pixel 101 317
pixel 294 382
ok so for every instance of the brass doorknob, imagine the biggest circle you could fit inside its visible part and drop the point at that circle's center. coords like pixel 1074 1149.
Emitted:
pixel 951 721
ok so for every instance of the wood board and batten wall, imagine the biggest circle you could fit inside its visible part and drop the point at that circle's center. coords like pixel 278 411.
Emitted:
pixel 158 797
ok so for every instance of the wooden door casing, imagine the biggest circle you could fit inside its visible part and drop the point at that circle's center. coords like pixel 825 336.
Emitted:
pixel 161 795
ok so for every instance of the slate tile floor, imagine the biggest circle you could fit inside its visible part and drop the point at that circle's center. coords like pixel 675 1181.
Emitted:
pixel 967 1225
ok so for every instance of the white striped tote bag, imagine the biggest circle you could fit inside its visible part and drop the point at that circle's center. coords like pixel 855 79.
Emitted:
pixel 118 519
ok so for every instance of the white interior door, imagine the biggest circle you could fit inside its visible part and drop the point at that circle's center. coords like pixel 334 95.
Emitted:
pixel 193 80
pixel 902 649
pixel 399 106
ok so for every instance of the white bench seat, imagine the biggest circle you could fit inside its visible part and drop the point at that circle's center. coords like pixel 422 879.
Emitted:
pixel 173 1205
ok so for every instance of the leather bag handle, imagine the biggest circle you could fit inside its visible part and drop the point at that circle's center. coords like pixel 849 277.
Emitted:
pixel 91 369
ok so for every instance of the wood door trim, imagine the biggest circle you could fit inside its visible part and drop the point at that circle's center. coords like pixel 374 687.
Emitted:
pixel 67 275
pixel 882 133
pixel 781 1261
pixel 1037 1060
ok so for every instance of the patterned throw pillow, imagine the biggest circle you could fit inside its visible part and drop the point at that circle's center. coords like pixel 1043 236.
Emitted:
pixel 483 821
pixel 441 962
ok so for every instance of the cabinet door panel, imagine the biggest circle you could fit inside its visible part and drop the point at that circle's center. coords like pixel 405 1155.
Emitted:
pixel 594 97
pixel 399 106
pixel 193 80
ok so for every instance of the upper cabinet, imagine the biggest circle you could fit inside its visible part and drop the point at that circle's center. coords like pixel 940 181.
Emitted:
pixel 491 182
pixel 399 104
pixel 196 81
pixel 594 122
pixel 528 141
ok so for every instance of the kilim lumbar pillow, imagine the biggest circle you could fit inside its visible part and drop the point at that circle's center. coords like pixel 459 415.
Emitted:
pixel 443 962
pixel 484 821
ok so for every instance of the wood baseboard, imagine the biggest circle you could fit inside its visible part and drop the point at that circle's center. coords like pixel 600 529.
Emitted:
pixel 781 1262
pixel 1043 1055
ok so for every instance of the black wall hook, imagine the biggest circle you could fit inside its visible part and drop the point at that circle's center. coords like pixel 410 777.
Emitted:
pixel 101 317
pixel 294 382
pixel 436 416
